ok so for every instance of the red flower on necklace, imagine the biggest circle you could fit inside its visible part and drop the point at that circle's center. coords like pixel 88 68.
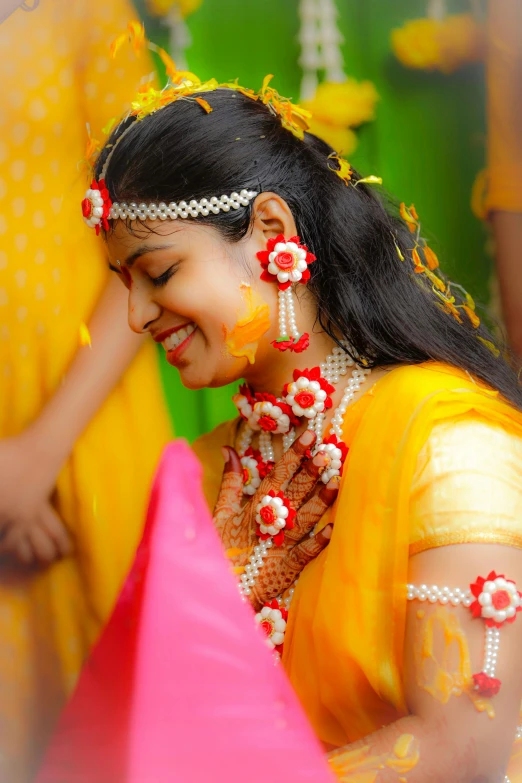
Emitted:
pixel 254 470
pixel 271 415
pixel 96 206
pixel 285 261
pixel 244 401
pixel 309 394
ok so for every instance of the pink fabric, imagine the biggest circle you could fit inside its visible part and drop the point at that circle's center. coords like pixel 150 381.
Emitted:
pixel 181 686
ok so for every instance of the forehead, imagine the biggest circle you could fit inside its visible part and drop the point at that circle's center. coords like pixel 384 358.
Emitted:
pixel 125 239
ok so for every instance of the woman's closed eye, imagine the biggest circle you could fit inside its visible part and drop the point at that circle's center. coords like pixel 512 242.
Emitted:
pixel 163 278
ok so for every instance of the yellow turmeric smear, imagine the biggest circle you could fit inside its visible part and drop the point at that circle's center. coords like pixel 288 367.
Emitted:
pixel 361 766
pixel 243 339
pixel 442 660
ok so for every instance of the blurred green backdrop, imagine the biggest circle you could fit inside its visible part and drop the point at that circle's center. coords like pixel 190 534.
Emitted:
pixel 428 141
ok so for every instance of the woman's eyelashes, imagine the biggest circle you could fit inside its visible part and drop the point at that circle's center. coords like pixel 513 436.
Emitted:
pixel 157 282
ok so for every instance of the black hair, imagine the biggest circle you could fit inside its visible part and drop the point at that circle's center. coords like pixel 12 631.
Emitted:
pixel 365 293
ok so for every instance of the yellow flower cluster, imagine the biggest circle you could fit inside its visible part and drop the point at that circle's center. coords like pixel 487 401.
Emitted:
pixel 337 108
pixel 439 45
pixel 162 7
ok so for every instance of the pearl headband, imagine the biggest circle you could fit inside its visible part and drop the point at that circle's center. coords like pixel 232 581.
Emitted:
pixel 173 210
pixel 98 208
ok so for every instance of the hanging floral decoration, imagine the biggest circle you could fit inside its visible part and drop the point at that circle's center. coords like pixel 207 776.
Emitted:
pixel 164 7
pixel 337 108
pixel 433 44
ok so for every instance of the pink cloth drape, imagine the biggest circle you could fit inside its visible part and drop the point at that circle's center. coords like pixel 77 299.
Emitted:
pixel 181 686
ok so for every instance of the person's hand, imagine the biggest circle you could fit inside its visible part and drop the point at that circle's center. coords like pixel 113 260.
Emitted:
pixel 30 530
pixel 298 477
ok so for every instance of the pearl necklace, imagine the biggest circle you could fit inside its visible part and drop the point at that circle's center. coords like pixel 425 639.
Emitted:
pixel 333 369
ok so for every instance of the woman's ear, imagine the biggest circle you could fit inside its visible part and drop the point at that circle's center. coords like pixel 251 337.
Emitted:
pixel 272 216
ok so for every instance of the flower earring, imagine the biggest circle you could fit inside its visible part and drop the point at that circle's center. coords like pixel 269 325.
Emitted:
pixel 286 261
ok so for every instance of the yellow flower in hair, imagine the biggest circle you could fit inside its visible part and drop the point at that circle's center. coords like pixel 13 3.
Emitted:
pixel 293 117
pixel 344 170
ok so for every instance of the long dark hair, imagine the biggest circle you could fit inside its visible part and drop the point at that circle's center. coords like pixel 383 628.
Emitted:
pixel 365 293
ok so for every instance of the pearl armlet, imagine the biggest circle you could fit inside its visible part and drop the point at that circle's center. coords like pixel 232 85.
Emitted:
pixel 163 211
pixel 494 599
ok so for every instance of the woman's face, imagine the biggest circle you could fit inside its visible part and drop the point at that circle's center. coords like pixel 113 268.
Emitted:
pixel 199 296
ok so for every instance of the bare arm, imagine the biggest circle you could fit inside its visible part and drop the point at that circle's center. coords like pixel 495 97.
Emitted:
pixel 31 461
pixel 449 734
pixel 93 373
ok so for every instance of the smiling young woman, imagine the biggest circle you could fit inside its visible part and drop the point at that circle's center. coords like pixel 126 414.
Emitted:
pixel 376 423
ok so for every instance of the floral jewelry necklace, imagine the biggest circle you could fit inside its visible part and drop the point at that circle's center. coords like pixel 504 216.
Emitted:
pixel 306 396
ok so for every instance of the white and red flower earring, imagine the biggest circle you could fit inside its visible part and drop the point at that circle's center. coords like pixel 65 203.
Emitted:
pixel 286 261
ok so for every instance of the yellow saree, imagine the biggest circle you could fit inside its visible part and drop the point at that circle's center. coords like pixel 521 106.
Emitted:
pixel 344 643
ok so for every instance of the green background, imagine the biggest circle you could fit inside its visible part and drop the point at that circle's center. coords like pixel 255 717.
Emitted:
pixel 428 141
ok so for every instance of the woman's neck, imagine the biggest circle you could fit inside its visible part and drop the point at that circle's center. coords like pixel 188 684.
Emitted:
pixel 274 368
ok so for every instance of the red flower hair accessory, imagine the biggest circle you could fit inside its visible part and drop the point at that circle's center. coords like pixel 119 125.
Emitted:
pixel 272 619
pixel 274 514
pixel 309 394
pixel 96 206
pixel 336 451
pixel 285 261
pixel 497 600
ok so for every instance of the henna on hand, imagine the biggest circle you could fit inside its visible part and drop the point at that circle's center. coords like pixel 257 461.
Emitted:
pixel 235 521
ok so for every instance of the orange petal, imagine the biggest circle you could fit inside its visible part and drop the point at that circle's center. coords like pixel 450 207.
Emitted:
pixel 117 44
pixel 407 214
pixel 431 259
pixel 137 35
pixel 204 105
pixel 419 267
pixel 168 62
pixel 473 317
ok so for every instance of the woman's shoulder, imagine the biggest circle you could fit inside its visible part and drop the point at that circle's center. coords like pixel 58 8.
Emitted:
pixel 467 486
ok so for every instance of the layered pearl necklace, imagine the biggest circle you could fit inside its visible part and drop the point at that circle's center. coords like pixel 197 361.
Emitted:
pixel 308 395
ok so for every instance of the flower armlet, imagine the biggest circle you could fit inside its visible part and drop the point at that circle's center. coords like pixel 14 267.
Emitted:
pixel 494 599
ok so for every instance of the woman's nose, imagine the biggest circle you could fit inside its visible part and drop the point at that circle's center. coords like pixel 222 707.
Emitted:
pixel 142 310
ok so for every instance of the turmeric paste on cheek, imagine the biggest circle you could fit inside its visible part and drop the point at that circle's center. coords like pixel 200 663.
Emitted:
pixel 243 339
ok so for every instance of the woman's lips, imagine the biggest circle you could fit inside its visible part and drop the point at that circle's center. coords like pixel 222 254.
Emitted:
pixel 177 342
